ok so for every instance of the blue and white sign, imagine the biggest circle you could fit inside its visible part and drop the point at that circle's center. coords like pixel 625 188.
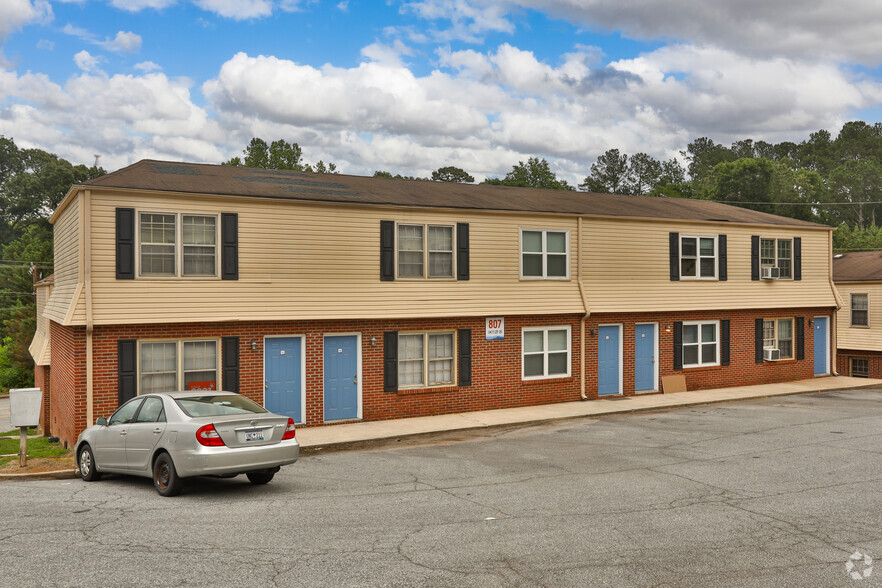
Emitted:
pixel 496 328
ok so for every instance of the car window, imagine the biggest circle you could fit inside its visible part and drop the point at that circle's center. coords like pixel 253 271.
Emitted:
pixel 151 412
pixel 125 413
pixel 197 406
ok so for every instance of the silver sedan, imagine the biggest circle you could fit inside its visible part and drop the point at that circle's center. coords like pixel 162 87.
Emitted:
pixel 176 435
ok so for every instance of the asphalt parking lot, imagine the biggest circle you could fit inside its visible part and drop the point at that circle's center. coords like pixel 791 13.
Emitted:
pixel 773 492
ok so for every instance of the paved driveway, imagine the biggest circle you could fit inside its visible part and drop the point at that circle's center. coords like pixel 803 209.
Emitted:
pixel 774 492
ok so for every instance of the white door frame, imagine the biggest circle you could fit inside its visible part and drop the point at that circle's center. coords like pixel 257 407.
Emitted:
pixel 655 362
pixel 829 351
pixel 621 362
pixel 302 371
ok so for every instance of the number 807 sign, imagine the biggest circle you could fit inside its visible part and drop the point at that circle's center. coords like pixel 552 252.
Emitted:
pixel 495 328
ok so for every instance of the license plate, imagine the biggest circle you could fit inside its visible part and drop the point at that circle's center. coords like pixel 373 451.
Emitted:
pixel 254 436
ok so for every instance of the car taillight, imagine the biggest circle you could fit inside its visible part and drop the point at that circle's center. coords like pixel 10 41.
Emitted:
pixel 289 430
pixel 209 436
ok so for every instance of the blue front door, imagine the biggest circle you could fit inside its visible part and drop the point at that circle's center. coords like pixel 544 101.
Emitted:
pixel 644 358
pixel 341 377
pixel 608 361
pixel 283 372
pixel 821 346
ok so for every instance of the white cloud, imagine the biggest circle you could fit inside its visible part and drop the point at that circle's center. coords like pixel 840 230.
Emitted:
pixel 123 42
pixel 237 9
pixel 45 45
pixel 468 19
pixel 137 5
pixel 343 6
pixel 86 61
pixel 147 66
pixel 18 13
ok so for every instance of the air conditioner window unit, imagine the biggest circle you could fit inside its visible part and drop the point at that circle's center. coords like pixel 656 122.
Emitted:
pixel 771 273
pixel 771 354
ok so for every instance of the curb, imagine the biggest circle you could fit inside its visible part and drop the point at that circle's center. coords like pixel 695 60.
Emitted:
pixel 55 475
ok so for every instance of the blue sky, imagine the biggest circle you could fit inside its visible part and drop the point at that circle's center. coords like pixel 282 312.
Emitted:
pixel 410 86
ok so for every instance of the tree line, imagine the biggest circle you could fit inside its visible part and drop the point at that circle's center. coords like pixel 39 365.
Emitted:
pixel 835 181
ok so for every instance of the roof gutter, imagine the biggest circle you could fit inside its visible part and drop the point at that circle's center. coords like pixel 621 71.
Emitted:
pixel 584 319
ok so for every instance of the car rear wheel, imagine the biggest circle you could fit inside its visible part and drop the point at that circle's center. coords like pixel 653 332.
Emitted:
pixel 86 463
pixel 260 478
pixel 165 477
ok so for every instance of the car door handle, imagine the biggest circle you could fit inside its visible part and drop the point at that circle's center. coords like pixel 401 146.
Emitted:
pixel 122 433
pixel 157 431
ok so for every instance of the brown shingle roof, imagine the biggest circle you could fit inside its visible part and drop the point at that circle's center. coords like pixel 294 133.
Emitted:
pixel 858 266
pixel 263 183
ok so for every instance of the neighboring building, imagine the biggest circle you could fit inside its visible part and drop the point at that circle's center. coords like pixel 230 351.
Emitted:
pixel 858 278
pixel 333 298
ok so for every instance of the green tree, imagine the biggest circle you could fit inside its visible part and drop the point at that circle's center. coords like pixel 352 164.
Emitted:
pixel 609 174
pixel 279 154
pixel 857 182
pixel 747 182
pixel 535 173
pixel 703 155
pixel 452 174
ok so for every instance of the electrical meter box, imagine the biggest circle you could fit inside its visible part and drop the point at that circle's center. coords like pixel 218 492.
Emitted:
pixel 24 406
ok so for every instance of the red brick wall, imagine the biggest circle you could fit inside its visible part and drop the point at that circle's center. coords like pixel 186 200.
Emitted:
pixel 843 363
pixel 67 384
pixel 41 381
pixel 496 371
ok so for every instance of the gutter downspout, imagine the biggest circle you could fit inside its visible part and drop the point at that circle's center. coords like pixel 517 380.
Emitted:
pixel 583 320
pixel 834 322
pixel 86 209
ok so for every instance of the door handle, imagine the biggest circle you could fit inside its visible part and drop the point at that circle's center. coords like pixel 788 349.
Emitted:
pixel 157 431
pixel 355 379
pixel 122 433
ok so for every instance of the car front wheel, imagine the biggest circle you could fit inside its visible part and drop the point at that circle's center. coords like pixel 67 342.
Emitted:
pixel 86 463
pixel 165 477
pixel 260 478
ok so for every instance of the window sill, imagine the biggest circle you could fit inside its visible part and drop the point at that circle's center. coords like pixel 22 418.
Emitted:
pixel 858 326
pixel 544 380
pixel 782 360
pixel 702 368
pixel 412 391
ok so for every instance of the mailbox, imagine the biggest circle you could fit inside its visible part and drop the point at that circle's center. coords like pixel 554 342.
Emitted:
pixel 24 406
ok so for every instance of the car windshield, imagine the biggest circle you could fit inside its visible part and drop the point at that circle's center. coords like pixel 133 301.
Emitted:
pixel 199 406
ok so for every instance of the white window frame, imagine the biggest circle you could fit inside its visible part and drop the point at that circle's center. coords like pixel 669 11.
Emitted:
pixel 179 359
pixel 851 310
pixel 544 253
pixel 426 359
pixel 178 247
pixel 545 375
pixel 700 363
pixel 426 252
pixel 776 263
pixel 698 258
pixel 775 339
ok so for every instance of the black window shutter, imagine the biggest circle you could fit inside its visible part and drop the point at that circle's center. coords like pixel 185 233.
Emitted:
pixel 754 258
pixel 390 361
pixel 797 258
pixel 674 249
pixel 387 251
pixel 127 386
pixel 465 357
pixel 230 364
pixel 125 243
pixel 800 337
pixel 758 341
pixel 229 246
pixel 724 342
pixel 462 251
pixel 721 244
pixel 678 345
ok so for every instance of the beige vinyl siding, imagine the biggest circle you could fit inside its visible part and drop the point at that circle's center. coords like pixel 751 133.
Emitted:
pixel 40 348
pixel 860 338
pixel 627 269
pixel 307 261
pixel 66 290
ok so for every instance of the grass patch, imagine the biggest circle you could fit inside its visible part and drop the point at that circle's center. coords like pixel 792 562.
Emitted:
pixel 17 432
pixel 37 448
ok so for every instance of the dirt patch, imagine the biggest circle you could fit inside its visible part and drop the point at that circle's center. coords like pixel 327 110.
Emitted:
pixel 39 465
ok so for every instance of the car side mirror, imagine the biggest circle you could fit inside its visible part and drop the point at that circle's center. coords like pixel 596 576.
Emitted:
pixel 101 421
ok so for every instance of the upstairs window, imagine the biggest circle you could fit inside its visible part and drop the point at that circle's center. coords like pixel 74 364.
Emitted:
pixel 698 257
pixel 860 309
pixel 545 254
pixel 777 253
pixel 425 251
pixel 173 245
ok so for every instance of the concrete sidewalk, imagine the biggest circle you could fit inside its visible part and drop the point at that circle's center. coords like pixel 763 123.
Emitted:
pixel 338 436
